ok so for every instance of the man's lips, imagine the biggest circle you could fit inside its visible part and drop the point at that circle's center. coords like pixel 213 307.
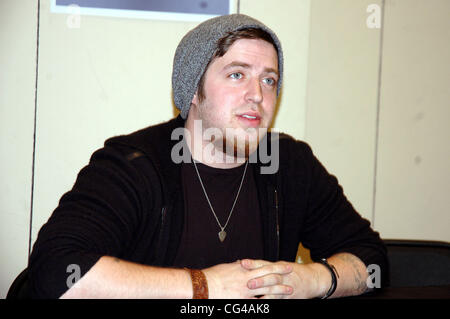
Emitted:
pixel 250 118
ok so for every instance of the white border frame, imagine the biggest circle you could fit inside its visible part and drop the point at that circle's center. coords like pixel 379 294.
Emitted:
pixel 136 14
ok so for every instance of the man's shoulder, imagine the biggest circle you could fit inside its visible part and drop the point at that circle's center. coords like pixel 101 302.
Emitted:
pixel 147 140
pixel 147 151
pixel 288 143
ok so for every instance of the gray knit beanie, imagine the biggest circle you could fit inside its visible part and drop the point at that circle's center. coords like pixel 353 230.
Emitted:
pixel 197 48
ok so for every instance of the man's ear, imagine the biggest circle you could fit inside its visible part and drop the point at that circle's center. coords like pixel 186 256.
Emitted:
pixel 195 99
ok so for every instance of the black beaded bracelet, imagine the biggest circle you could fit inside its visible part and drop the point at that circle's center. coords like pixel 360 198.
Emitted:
pixel 334 276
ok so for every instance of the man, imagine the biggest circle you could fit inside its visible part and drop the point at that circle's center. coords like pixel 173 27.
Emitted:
pixel 141 223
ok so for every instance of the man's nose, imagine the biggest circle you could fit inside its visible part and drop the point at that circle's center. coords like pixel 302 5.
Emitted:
pixel 254 92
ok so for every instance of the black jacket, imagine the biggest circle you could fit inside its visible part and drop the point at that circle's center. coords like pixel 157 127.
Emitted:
pixel 128 203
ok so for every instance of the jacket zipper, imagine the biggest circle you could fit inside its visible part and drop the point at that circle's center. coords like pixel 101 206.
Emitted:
pixel 278 224
pixel 161 230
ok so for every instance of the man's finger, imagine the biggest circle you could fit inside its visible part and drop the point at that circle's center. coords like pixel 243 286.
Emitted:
pixel 272 268
pixel 251 264
pixel 277 291
pixel 265 281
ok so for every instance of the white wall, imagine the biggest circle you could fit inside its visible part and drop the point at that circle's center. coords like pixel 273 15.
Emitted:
pixel 112 76
pixel 378 112
pixel 413 176
pixel 342 95
pixel 17 87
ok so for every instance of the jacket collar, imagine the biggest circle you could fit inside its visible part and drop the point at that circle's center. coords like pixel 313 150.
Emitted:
pixel 156 142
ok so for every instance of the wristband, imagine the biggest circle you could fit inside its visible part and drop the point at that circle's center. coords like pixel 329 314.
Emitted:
pixel 334 274
pixel 199 284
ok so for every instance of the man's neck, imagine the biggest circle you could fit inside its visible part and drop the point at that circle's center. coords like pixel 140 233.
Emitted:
pixel 208 153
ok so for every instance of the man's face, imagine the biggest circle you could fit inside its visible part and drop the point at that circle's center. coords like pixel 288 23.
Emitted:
pixel 240 91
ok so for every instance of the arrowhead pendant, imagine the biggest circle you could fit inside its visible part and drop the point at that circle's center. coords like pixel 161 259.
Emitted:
pixel 222 235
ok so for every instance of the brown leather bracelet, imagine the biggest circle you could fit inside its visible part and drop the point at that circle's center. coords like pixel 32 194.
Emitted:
pixel 199 284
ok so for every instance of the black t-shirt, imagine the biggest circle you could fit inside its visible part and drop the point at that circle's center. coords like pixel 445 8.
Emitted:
pixel 200 245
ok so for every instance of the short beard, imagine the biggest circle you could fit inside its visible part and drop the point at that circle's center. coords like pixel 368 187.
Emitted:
pixel 229 144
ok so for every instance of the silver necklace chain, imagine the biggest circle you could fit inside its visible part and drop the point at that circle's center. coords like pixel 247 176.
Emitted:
pixel 222 234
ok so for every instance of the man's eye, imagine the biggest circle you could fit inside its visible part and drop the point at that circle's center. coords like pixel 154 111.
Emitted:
pixel 269 81
pixel 236 75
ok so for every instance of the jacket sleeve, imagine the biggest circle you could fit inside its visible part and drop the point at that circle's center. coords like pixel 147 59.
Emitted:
pixel 331 224
pixel 96 218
